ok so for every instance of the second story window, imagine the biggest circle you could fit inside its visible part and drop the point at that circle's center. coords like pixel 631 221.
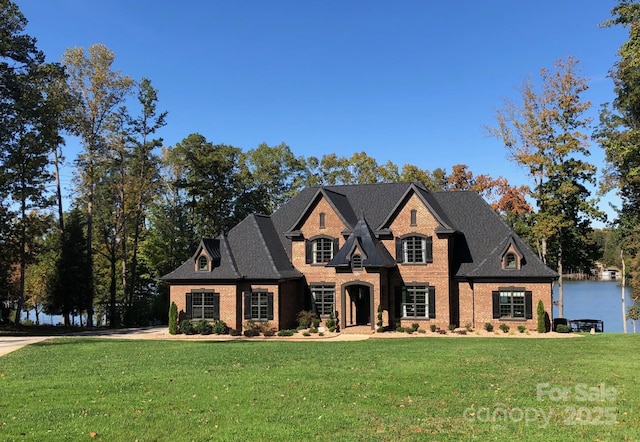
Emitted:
pixel 414 249
pixel 323 219
pixel 322 250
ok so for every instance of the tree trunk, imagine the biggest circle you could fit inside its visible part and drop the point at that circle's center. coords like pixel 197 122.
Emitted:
pixel 560 286
pixel 624 307
pixel 56 161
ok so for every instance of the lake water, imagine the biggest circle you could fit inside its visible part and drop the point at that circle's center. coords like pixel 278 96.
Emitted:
pixel 595 300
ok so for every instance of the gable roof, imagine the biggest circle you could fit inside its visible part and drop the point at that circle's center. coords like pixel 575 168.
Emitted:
pixel 224 267
pixel 251 250
pixel 375 254
pixel 259 247
pixel 483 238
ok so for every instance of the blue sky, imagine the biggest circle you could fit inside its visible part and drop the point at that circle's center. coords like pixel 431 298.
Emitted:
pixel 411 81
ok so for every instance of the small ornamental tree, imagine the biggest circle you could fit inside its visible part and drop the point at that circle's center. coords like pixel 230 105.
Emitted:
pixel 379 323
pixel 541 327
pixel 173 319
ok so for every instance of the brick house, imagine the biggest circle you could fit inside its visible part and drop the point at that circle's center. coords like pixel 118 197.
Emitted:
pixel 426 257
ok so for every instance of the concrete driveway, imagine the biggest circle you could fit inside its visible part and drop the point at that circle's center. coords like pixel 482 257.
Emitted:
pixel 12 343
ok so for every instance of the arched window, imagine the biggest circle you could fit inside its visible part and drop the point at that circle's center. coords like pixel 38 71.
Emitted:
pixel 510 261
pixel 322 250
pixel 414 249
pixel 203 263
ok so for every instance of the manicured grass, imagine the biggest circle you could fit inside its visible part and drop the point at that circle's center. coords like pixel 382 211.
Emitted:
pixel 378 390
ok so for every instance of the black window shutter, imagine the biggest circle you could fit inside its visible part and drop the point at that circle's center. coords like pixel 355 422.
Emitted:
pixel 399 250
pixel 528 301
pixel 189 304
pixel 336 244
pixel 247 305
pixel 496 304
pixel 308 251
pixel 432 302
pixel 270 306
pixel 216 306
pixel 429 251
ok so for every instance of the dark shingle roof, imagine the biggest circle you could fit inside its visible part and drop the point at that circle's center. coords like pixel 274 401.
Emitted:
pixel 258 247
pixel 224 263
pixel 375 253
pixel 482 239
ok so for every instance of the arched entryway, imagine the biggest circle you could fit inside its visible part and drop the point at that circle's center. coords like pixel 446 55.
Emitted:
pixel 357 301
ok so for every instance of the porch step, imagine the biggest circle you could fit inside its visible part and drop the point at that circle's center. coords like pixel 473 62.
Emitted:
pixel 357 330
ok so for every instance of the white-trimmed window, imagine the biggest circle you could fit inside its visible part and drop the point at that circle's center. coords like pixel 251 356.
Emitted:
pixel 414 249
pixel 203 263
pixel 324 298
pixel 418 301
pixel 321 250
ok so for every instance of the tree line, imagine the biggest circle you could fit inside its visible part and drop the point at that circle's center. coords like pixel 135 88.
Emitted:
pixel 139 207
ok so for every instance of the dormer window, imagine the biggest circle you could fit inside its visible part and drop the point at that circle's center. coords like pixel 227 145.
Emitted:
pixel 356 262
pixel 510 261
pixel 203 264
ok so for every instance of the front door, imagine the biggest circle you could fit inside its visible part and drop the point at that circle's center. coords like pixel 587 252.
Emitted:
pixel 361 302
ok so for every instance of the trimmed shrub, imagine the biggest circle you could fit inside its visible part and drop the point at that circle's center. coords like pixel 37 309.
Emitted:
pixel 468 327
pixel 379 317
pixel 488 326
pixel 234 332
pixel 331 323
pixel 415 326
pixel 561 328
pixel 305 318
pixel 203 327
pixel 173 319
pixel 219 327
pixel 522 328
pixel 433 327
pixel 186 327
pixel 504 327
pixel 452 327
pixel 289 332
pixel 315 322
pixel 541 324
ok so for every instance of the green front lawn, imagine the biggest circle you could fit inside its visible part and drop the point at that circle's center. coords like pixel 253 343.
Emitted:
pixel 377 390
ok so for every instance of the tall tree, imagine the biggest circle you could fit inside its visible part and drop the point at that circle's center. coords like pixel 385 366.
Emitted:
pixel 271 176
pixel 545 134
pixel 619 135
pixel 144 172
pixel 210 178
pixel 99 91
pixel 29 132
pixel 68 286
